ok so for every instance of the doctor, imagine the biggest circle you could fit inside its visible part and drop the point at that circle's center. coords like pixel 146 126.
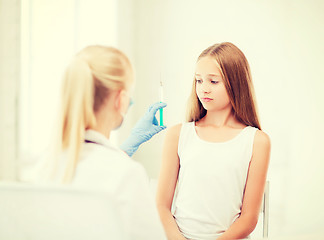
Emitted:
pixel 95 97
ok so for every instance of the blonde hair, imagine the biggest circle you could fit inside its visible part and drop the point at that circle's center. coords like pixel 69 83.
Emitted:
pixel 91 75
pixel 235 71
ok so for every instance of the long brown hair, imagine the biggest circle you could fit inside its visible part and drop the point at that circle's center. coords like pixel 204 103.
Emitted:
pixel 235 70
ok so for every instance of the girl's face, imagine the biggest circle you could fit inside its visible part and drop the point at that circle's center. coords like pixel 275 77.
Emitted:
pixel 210 87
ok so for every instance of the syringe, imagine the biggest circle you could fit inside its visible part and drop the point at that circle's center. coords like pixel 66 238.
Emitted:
pixel 161 100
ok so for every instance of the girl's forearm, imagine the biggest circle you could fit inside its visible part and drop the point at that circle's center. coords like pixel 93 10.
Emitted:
pixel 240 229
pixel 170 225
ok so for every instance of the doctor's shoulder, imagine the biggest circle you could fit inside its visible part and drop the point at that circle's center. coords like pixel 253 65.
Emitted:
pixel 107 166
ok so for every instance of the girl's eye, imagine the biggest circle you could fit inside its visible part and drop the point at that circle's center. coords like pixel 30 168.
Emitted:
pixel 198 80
pixel 213 82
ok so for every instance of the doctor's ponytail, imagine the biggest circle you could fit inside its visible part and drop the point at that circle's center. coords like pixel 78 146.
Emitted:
pixel 87 82
pixel 77 110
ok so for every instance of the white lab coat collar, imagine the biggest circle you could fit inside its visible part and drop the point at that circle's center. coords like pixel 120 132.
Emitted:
pixel 97 137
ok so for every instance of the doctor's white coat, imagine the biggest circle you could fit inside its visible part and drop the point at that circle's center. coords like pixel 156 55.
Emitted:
pixel 103 166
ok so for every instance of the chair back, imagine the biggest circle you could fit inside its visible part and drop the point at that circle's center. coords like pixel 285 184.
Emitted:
pixel 57 212
pixel 265 210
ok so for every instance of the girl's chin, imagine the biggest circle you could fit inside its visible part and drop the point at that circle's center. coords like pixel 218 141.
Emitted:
pixel 207 106
pixel 210 108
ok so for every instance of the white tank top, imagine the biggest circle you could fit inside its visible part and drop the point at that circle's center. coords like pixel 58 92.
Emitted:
pixel 211 182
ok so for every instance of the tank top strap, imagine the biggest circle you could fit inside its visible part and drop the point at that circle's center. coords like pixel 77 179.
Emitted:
pixel 185 135
pixel 249 138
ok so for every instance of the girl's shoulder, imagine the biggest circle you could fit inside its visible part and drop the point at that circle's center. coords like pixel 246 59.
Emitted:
pixel 261 142
pixel 261 138
pixel 261 149
pixel 174 131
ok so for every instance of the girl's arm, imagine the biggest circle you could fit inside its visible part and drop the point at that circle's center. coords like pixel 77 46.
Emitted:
pixel 167 182
pixel 254 189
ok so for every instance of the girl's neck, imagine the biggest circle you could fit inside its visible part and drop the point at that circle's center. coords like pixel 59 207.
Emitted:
pixel 219 118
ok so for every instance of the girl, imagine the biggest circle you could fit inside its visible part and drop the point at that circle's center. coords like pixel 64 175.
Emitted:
pixel 95 98
pixel 219 158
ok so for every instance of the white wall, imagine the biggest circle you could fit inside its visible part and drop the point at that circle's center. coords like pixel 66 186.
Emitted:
pixel 9 82
pixel 283 41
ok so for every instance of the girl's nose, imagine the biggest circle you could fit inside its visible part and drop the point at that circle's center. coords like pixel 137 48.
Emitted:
pixel 205 88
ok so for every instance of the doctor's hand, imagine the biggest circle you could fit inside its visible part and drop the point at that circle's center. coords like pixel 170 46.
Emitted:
pixel 144 129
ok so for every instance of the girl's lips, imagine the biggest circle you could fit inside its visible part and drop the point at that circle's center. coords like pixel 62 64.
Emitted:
pixel 206 99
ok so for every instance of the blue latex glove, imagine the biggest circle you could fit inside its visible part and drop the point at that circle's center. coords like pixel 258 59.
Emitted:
pixel 144 129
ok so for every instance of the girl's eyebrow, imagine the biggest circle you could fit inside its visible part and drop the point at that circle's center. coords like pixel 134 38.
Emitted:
pixel 210 74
